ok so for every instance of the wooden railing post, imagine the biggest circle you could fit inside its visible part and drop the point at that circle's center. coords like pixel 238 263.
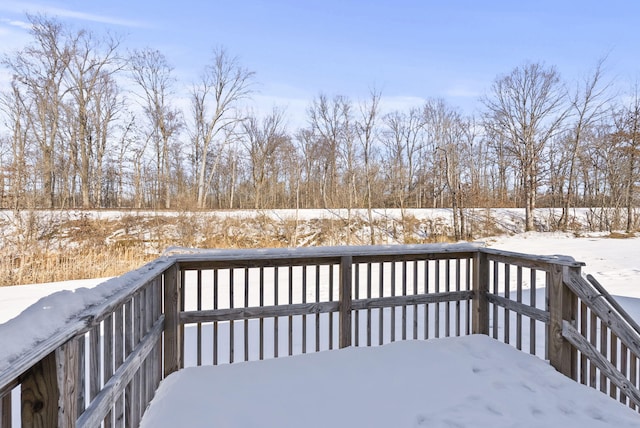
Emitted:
pixel 172 289
pixel 562 306
pixel 49 389
pixel 345 302
pixel 480 304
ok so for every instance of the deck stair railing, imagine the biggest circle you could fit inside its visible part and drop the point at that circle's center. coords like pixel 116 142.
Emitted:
pixel 220 307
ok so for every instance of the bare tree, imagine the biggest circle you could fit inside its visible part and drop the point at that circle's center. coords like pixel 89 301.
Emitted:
pixel 38 71
pixel 329 129
pixel 627 139
pixel 527 108
pixel 153 75
pixel 222 85
pixel 403 141
pixel 366 129
pixel 264 140
pixel 588 104
pixel 445 128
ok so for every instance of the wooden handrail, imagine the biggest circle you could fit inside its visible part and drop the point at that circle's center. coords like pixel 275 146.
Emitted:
pixel 140 357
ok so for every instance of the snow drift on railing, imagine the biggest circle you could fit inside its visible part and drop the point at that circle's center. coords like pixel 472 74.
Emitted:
pixel 51 314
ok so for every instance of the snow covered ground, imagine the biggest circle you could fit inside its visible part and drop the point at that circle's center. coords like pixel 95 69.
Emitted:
pixel 465 382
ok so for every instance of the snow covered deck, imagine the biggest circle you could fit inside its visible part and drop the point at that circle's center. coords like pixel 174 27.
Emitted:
pixel 465 382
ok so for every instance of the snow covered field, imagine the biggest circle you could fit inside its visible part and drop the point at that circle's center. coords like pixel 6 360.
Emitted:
pixel 465 382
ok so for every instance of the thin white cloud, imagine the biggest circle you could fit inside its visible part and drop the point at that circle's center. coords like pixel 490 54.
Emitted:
pixel 19 7
pixel 16 23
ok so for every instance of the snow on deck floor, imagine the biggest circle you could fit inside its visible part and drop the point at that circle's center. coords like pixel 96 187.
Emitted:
pixel 471 381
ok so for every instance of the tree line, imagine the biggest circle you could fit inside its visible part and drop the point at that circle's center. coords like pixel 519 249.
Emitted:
pixel 89 124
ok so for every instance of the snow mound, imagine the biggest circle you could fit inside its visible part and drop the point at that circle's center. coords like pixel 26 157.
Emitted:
pixel 471 381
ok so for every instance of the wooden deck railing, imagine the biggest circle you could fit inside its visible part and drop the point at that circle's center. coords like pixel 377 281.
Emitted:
pixel 220 307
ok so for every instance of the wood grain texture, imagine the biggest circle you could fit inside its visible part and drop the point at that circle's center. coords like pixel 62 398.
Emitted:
pixel 480 305
pixel 5 411
pixel 605 366
pixel 67 380
pixel 101 405
pixel 344 327
pixel 172 287
pixel 40 394
pixel 562 304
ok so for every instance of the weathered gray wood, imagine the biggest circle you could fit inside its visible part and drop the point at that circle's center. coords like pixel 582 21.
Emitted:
pixel 261 334
pixel 49 389
pixel 256 312
pixel 290 319
pixel 532 322
pixel 610 317
pixel 458 288
pixel 94 362
pixel 246 322
pixel 118 348
pixel 496 267
pixel 605 366
pixel 5 410
pixel 562 303
pixel 436 282
pixel 199 325
pixel 35 354
pixel 208 259
pixel 480 305
pixel 604 293
pixel 603 350
pixel 613 359
pixel 231 324
pixel 396 301
pixel 67 380
pixel 415 307
pixel 593 327
pixel 128 348
pixel 583 378
pixel 531 261
pixel 426 307
pixel 381 311
pixel 623 368
pixel 356 314
pixel 369 290
pixel 40 394
pixel 215 324
pixel 99 407
pixel 468 287
pixel 393 294
pixel 404 307
pixel 519 308
pixel 345 302
pixel 332 269
pixel 181 307
pixel 304 316
pixel 137 380
pixel 447 307
pixel 276 340
pixel 81 375
pixel 507 295
pixel 519 300
pixel 633 375
pixel 107 360
pixel 317 316
pixel 172 290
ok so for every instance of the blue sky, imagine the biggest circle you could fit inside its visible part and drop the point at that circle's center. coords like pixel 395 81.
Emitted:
pixel 409 49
